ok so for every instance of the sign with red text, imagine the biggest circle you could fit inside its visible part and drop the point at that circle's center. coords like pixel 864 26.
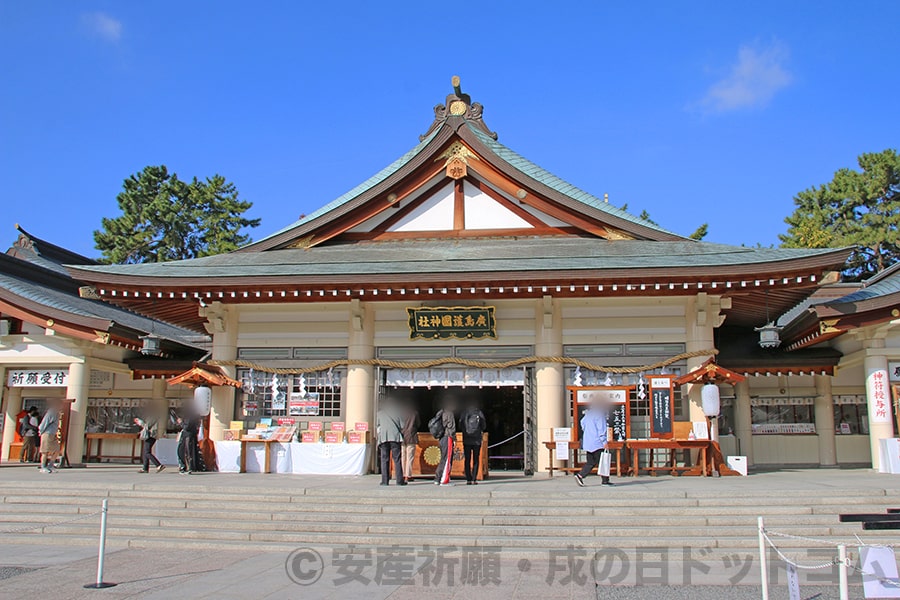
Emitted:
pixel 878 395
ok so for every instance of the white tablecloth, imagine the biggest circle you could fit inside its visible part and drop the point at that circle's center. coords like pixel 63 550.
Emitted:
pixel 295 457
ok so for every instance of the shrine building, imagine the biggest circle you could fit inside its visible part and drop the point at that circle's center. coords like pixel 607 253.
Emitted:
pixel 463 269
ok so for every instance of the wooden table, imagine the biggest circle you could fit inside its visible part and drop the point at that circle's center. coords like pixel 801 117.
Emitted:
pixel 616 447
pixel 90 437
pixel 670 446
pixel 247 441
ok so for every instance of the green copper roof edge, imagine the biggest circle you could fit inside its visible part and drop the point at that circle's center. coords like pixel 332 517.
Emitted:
pixel 356 191
pixel 562 186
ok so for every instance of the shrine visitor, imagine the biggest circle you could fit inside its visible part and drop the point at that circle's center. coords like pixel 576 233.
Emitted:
pixel 389 426
pixel 28 429
pixel 49 430
pixel 411 424
pixel 443 428
pixel 594 427
pixel 149 432
pixel 472 423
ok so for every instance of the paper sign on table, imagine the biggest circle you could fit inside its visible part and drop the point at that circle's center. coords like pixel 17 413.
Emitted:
pixel 562 434
pixel 562 450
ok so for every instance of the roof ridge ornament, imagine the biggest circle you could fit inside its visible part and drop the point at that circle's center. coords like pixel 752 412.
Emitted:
pixel 459 105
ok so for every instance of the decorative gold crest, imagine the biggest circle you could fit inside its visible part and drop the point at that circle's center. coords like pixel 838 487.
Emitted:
pixel 456 160
pixel 432 455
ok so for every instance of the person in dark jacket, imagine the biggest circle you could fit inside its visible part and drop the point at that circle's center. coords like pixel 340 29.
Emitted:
pixel 149 432
pixel 389 425
pixel 472 424
pixel 188 443
pixel 448 418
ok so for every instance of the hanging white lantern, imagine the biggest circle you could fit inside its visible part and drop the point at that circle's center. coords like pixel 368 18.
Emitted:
pixel 202 400
pixel 711 402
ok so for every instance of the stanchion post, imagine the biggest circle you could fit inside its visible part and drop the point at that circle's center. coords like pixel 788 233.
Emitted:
pixel 763 563
pixel 100 584
pixel 842 572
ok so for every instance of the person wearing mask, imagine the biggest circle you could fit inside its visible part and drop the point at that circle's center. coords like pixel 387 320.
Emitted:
pixel 443 427
pixel 410 439
pixel 149 432
pixel 472 423
pixel 595 432
pixel 28 429
pixel 49 431
pixel 389 426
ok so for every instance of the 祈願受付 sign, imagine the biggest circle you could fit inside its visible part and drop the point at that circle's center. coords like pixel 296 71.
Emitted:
pixel 38 378
pixel 461 322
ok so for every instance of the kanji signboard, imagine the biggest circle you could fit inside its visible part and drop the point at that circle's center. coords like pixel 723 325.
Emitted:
pixel 878 395
pixel 461 322
pixel 38 378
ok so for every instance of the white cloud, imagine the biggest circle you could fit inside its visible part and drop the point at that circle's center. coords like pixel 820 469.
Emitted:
pixel 103 26
pixel 755 78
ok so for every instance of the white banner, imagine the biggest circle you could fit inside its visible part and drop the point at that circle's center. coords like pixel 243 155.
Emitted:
pixel 878 395
pixel 38 378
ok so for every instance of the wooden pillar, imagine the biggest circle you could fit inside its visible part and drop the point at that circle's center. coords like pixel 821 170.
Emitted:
pixel 824 416
pixel 743 420
pixel 878 392
pixel 77 389
pixel 223 325
pixel 12 405
pixel 702 314
pixel 550 386
pixel 360 385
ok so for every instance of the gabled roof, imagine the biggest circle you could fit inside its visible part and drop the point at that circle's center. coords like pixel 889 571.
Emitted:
pixel 464 124
pixel 32 283
pixel 44 254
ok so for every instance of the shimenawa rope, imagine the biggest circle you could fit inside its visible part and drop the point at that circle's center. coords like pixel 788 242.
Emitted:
pixel 465 362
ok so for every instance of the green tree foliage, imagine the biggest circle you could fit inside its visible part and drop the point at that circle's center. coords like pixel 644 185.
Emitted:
pixel 856 208
pixel 700 232
pixel 164 218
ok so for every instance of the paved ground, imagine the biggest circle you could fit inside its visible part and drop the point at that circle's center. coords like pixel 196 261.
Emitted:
pixel 59 572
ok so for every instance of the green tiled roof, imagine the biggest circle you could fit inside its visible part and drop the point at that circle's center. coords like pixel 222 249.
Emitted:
pixel 361 188
pixel 96 309
pixel 514 159
pixel 469 255
pixel 883 284
pixel 552 181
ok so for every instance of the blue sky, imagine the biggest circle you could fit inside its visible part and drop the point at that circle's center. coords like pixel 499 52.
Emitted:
pixel 696 112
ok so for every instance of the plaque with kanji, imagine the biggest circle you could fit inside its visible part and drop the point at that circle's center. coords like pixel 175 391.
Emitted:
pixel 460 322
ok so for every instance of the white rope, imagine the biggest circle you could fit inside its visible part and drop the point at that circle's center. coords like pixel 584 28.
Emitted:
pixel 781 555
pixel 44 525
pixel 506 440
pixel 822 542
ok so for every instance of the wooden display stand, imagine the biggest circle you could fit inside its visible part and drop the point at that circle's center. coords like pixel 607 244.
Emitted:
pixel 99 437
pixel 428 454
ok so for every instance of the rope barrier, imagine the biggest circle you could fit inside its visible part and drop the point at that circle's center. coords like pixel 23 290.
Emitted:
pixel 835 561
pixel 45 525
pixel 506 440
pixel 465 362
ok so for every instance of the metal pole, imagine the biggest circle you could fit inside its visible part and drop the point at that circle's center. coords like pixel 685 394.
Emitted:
pixel 100 584
pixel 842 573
pixel 763 563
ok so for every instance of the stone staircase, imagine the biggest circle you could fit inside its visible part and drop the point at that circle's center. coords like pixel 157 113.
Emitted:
pixel 551 514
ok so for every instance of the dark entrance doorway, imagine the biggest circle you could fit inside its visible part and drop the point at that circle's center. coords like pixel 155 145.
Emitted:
pixel 504 410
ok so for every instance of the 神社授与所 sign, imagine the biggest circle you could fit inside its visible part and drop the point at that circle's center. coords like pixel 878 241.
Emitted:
pixel 461 322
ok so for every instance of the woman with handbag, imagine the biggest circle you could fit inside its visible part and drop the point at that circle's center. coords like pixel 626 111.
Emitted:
pixel 595 434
